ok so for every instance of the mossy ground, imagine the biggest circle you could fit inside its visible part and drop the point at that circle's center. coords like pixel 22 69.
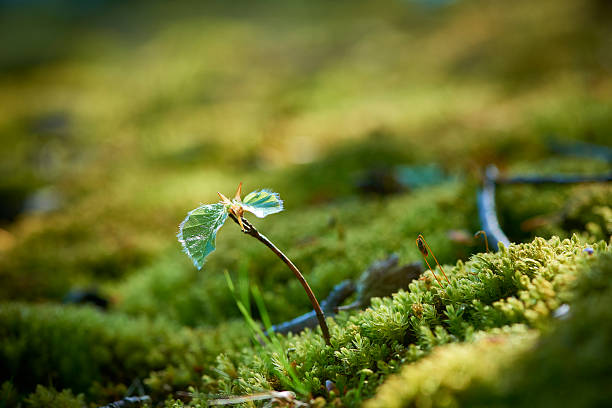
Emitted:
pixel 123 118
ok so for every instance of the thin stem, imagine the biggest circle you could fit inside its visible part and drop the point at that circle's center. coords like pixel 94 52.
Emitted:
pixel 249 229
pixel 425 253
pixel 484 235
pixel 426 250
pixel 437 263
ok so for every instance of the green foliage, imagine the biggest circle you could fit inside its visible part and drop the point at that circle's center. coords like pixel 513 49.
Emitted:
pixel 571 358
pixel 198 231
pixel 521 284
pixel 262 203
pixel 274 358
pixel 86 350
pixel 9 396
pixel 455 370
pixel 562 211
pixel 49 397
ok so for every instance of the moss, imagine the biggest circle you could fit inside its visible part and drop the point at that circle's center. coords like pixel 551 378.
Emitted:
pixel 307 130
pixel 262 95
pixel 571 359
pixel 455 372
pixel 562 211
pixel 521 284
pixel 49 397
pixel 86 350
pixel 9 396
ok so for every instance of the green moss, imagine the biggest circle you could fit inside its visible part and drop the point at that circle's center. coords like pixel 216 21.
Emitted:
pixel 521 284
pixel 87 350
pixel 571 359
pixel 49 397
pixel 455 372
pixel 263 95
pixel 9 396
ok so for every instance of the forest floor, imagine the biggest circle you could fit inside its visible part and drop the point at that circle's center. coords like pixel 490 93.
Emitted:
pixel 373 122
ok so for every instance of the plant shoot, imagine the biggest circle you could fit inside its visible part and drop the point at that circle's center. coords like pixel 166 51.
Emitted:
pixel 198 233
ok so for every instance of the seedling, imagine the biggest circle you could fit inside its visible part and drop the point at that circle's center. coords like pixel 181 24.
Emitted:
pixel 198 233
pixel 425 250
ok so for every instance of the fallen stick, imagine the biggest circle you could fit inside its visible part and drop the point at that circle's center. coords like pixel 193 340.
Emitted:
pixel 486 208
pixel 556 179
pixel 128 402
pixel 486 196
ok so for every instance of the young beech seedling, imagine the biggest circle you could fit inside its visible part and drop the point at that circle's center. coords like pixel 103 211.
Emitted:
pixel 198 233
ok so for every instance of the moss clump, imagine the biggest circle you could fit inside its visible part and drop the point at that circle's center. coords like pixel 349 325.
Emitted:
pixel 454 370
pixel 571 359
pixel 89 351
pixel 49 397
pixel 561 211
pixel 521 284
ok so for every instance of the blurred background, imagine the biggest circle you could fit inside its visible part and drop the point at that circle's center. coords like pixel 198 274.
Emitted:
pixel 373 120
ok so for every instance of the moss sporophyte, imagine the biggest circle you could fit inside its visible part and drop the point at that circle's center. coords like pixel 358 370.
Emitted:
pixel 198 232
pixel 425 251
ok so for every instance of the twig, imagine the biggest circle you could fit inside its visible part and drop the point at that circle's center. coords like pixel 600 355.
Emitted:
pixel 249 229
pixel 128 402
pixel 556 179
pixel 486 195
pixel 278 396
pixel 486 208
pixel 338 294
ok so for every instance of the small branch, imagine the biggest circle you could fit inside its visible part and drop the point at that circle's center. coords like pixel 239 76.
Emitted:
pixel 486 208
pixel 249 229
pixel 486 195
pixel 556 179
pixel 128 402
pixel 338 294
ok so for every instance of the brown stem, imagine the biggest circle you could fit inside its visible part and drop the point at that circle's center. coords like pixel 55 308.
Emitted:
pixel 249 229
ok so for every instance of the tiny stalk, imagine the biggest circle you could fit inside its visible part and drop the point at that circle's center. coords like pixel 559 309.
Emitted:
pixel 198 232
pixel 484 235
pixel 425 251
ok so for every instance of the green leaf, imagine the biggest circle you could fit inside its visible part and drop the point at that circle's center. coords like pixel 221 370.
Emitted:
pixel 198 231
pixel 262 203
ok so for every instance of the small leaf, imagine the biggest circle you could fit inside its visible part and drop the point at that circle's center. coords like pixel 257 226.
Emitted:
pixel 262 203
pixel 198 231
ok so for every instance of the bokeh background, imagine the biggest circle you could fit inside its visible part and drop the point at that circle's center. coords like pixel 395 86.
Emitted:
pixel 373 120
